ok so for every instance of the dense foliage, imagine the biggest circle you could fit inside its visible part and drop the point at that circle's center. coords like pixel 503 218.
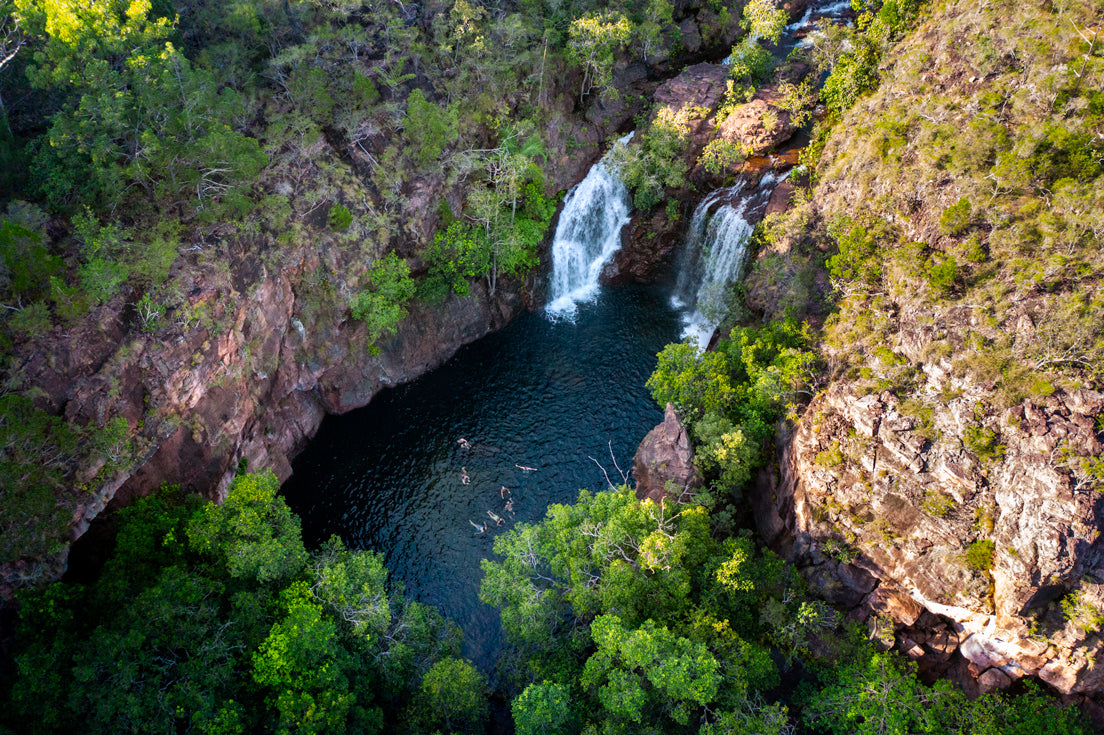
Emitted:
pixel 623 617
pixel 732 396
pixel 215 619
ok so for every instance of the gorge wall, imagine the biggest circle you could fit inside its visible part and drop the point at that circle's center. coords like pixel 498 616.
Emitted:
pixel 943 484
pixel 261 344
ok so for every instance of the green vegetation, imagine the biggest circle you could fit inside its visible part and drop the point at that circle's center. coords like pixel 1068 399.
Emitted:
pixel 34 450
pixel 1013 227
pixel 1082 611
pixel 594 42
pixel 731 397
pixel 937 503
pixel 339 217
pixel 984 442
pixel 154 135
pixel 622 616
pixel 979 555
pixel 382 306
pixel 216 619
pixel 658 163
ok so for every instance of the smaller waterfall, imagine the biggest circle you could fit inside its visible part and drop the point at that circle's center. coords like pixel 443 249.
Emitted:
pixel 588 234
pixel 716 247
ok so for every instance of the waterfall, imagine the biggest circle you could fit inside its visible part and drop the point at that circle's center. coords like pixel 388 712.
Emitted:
pixel 588 234
pixel 714 254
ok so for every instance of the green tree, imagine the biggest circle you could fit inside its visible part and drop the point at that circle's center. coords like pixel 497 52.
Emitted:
pixel 543 708
pixel 649 667
pixel 876 696
pixel 594 41
pixel 858 262
pixel 428 127
pixel 27 262
pixel 35 449
pixel 695 382
pixel 303 668
pixel 854 74
pixel 453 695
pixel 383 305
pixel 253 535
pixel 659 161
pixel 763 20
pixel 136 112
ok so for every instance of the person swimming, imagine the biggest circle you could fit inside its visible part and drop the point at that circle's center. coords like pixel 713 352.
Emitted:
pixel 478 527
pixel 499 520
pixel 510 505
pixel 464 475
pixel 464 443
pixel 504 491
pixel 525 469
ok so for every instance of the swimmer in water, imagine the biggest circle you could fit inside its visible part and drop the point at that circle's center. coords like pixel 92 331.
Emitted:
pixel 526 469
pixel 478 527
pixel 503 491
pixel 497 519
pixel 464 476
pixel 464 443
pixel 510 505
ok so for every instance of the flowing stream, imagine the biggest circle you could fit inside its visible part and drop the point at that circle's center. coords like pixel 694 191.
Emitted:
pixel 538 404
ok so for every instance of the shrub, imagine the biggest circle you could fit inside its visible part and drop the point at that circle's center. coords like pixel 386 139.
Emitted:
pixel 858 258
pixel 979 555
pixel 659 161
pixel 720 154
pixel 749 63
pixel 383 305
pixel 955 218
pixel 458 253
pixel 937 503
pixel 1082 612
pixel 839 550
pixel 830 457
pixel 340 217
pixel 855 73
pixel 983 442
pixel 429 127
pixel 941 273
pixel 31 320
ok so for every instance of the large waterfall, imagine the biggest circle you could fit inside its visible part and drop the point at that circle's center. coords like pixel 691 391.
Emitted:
pixel 588 234
pixel 714 254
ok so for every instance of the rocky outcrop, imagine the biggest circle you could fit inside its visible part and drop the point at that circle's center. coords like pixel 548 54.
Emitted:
pixel 664 462
pixel 756 127
pixel 990 534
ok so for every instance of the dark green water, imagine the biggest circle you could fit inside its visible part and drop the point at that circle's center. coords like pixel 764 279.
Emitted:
pixel 540 393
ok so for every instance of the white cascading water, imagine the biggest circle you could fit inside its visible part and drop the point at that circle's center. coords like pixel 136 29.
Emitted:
pixel 588 234
pixel 716 247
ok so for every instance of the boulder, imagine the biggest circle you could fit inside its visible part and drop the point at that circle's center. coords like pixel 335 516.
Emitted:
pixel 664 462
pixel 757 127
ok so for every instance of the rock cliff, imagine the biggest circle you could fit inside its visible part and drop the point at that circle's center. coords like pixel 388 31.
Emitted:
pixel 867 495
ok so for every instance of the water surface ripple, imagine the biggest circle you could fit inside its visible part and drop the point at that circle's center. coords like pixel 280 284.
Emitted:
pixel 546 394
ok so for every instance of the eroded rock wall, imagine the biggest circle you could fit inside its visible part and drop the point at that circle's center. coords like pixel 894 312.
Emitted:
pixel 870 501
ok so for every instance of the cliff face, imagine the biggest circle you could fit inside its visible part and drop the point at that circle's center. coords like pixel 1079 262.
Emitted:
pixel 864 496
pixel 946 477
